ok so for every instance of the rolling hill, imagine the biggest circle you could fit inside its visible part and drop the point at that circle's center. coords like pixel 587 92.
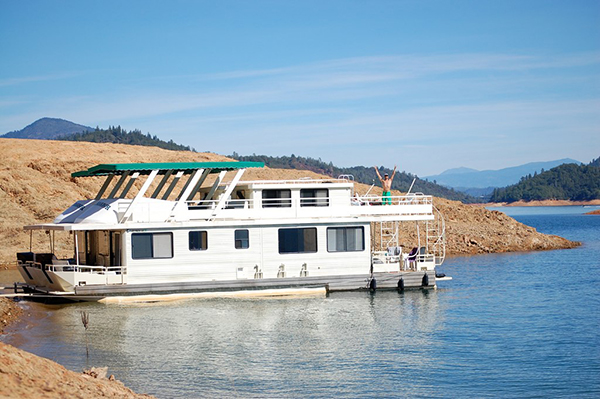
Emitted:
pixel 47 129
pixel 565 182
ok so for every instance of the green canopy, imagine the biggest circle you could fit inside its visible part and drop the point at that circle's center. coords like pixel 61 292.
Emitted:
pixel 146 168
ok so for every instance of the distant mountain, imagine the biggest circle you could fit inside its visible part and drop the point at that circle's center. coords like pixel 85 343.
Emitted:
pixel 458 171
pixel 47 129
pixel 465 178
pixel 481 193
pixel 60 129
pixel 564 182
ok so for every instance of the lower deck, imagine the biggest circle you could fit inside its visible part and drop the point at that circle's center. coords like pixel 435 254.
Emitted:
pixel 377 281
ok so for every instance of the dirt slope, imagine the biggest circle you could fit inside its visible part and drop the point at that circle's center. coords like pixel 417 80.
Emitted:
pixel 24 375
pixel 35 186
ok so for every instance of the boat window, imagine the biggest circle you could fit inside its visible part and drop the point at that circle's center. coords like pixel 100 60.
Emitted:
pixel 151 245
pixel 297 240
pixel 345 239
pixel 198 240
pixel 277 198
pixel 314 197
pixel 242 240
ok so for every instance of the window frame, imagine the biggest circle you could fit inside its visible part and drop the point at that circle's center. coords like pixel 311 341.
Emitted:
pixel 345 229
pixel 152 248
pixel 200 240
pixel 241 240
pixel 276 201
pixel 313 200
pixel 299 240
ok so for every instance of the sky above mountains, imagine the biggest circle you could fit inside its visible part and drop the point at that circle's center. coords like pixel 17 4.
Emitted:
pixel 426 85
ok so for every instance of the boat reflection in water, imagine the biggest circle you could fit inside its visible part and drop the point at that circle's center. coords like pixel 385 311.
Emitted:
pixel 251 347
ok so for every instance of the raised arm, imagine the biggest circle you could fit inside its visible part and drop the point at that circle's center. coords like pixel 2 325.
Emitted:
pixel 393 174
pixel 377 171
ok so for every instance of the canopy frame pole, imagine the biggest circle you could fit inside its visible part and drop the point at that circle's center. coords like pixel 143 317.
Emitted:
pixel 104 186
pixel 116 188
pixel 198 184
pixel 215 185
pixel 134 177
pixel 139 195
pixel 172 185
pixel 227 193
pixel 162 183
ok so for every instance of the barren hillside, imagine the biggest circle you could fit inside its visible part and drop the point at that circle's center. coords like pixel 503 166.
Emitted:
pixel 36 185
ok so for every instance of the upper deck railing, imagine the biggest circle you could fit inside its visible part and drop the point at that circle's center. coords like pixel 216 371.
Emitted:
pixel 303 180
pixel 407 207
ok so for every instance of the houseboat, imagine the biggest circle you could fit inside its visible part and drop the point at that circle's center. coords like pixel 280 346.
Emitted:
pixel 186 228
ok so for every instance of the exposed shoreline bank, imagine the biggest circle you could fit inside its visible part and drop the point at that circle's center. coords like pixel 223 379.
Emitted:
pixel 25 375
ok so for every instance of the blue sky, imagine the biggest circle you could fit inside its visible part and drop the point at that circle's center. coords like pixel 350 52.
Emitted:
pixel 426 85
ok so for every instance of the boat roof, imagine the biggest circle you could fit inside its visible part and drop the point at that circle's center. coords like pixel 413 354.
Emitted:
pixel 164 167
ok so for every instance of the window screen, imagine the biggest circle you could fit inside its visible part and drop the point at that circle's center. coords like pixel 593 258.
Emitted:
pixel 345 239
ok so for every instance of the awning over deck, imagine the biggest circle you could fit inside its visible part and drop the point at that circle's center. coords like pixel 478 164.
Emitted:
pixel 163 168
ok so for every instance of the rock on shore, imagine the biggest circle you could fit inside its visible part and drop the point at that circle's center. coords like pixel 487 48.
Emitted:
pixel 476 230
pixel 9 312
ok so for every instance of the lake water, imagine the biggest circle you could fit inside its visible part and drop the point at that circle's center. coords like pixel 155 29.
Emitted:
pixel 509 325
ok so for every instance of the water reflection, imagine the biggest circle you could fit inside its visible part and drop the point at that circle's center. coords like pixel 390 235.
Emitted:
pixel 252 347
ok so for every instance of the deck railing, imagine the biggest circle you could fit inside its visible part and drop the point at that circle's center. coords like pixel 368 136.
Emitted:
pixel 405 263
pixel 332 206
pixel 64 265
pixel 306 202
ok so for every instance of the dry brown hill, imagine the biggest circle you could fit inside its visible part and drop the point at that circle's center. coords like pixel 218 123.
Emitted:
pixel 36 185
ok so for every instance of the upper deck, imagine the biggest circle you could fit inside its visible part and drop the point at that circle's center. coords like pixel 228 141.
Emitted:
pixel 201 193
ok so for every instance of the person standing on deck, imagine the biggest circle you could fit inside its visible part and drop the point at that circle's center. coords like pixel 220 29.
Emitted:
pixel 386 183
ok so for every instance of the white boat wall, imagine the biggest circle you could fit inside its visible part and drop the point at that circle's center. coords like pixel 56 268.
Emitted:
pixel 164 228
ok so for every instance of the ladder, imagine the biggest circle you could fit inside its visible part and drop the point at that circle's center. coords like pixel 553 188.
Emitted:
pixel 388 235
pixel 436 237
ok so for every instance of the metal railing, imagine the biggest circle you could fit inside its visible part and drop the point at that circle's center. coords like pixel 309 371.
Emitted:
pixel 68 267
pixel 403 261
